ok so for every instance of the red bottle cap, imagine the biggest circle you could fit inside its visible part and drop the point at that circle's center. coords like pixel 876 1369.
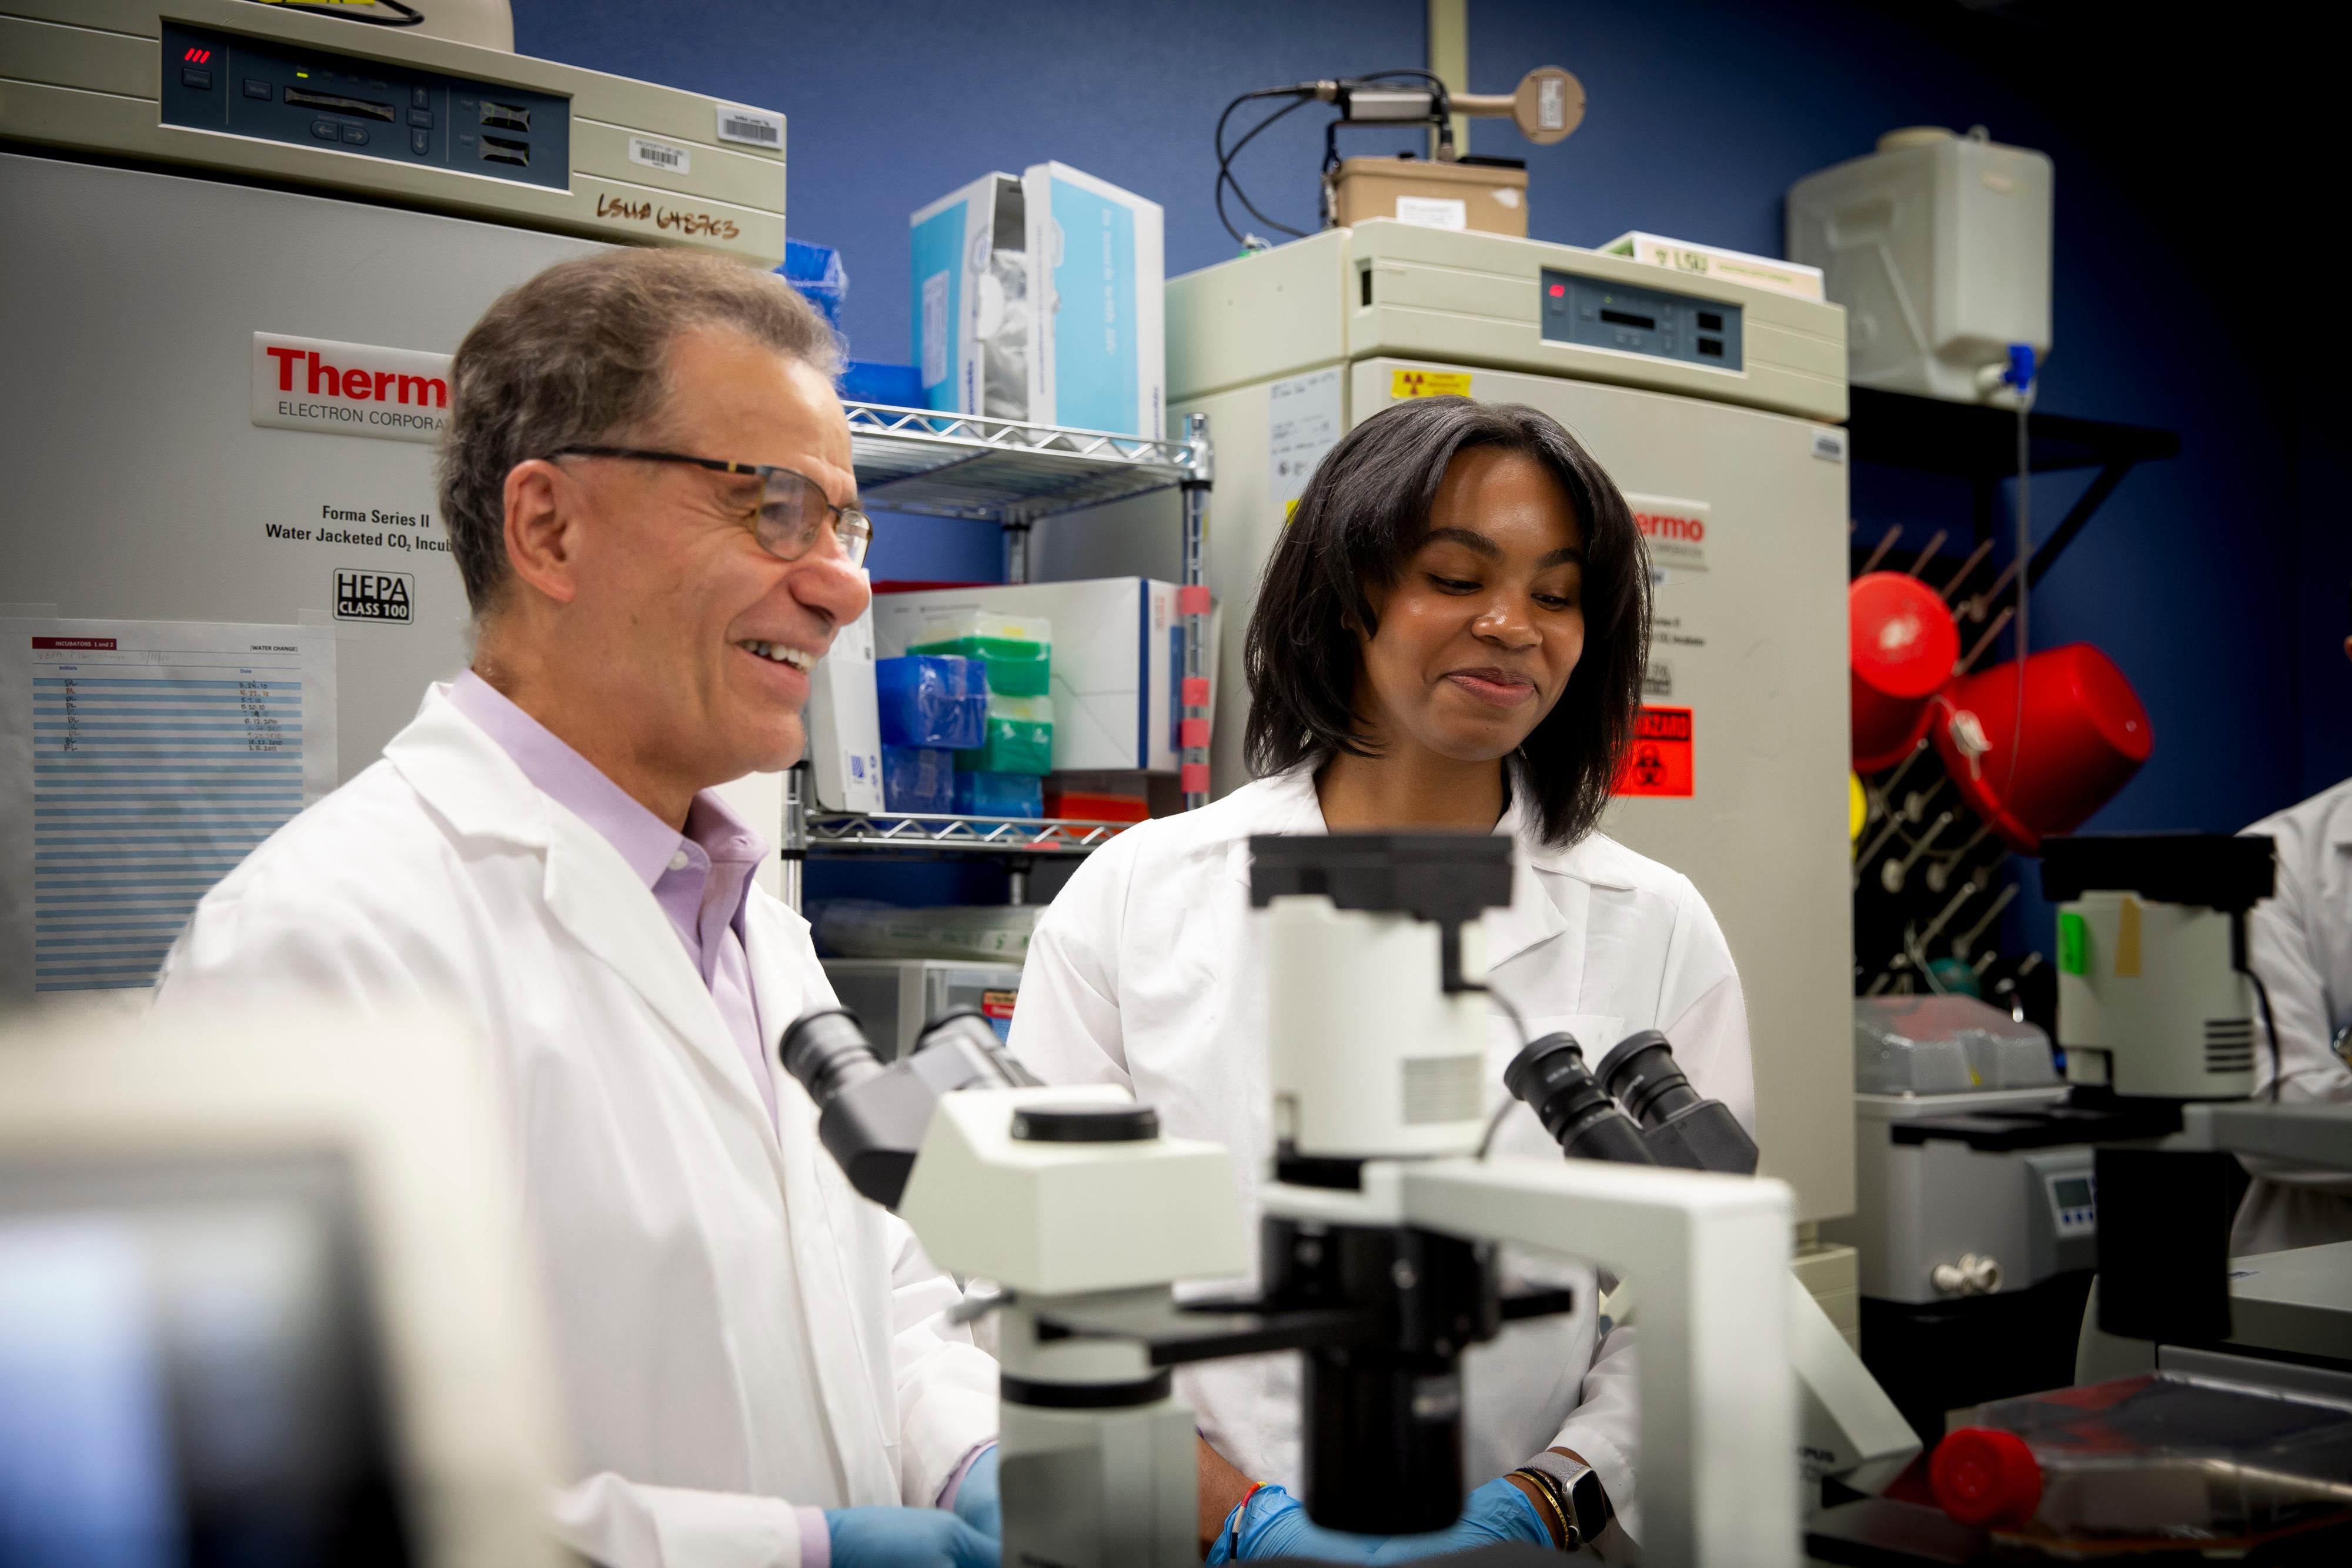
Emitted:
pixel 1985 1478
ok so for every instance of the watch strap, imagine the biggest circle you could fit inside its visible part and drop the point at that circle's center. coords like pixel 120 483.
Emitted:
pixel 1580 1484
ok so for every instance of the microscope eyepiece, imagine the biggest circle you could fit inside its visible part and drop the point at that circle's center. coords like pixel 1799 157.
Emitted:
pixel 1550 1077
pixel 1680 1127
pixel 827 1052
pixel 1640 1071
pixel 960 1049
pixel 871 1117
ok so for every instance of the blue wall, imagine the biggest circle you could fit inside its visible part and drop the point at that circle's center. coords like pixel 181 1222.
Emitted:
pixel 2217 580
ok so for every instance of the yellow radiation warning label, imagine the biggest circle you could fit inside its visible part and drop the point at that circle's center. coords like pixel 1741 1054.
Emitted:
pixel 1429 384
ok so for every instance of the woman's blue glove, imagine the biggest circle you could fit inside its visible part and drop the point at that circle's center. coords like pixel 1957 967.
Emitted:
pixel 1273 1523
pixel 906 1538
pixel 977 1503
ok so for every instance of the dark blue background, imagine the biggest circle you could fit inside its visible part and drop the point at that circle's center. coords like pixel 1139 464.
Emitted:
pixel 2216 581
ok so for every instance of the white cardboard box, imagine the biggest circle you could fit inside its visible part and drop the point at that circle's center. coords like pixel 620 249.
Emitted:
pixel 1117 660
pixel 1074 333
pixel 1714 261
pixel 845 724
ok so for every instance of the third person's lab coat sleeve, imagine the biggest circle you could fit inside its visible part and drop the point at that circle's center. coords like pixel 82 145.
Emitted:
pixel 2281 950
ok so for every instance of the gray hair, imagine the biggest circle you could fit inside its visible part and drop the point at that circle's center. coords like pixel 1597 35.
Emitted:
pixel 576 356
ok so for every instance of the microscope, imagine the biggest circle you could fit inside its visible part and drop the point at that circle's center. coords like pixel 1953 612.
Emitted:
pixel 1378 1246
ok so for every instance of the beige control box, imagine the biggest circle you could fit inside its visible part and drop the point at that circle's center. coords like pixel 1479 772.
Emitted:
pixel 1491 198
pixel 1501 303
pixel 386 113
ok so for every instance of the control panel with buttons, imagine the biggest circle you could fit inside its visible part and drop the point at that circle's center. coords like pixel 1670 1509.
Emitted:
pixel 2074 1204
pixel 276 91
pixel 1596 314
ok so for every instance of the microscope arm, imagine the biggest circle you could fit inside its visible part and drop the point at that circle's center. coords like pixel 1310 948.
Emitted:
pixel 1719 1406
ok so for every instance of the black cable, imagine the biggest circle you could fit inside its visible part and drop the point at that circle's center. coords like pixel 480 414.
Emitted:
pixel 1301 93
pixel 1225 170
pixel 2270 1027
pixel 409 17
pixel 1300 97
pixel 2241 961
pixel 1518 1025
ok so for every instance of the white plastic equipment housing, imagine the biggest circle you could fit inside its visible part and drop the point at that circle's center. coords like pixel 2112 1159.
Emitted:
pixel 1048 1218
pixel 1366 1054
pixel 1939 247
pixel 2157 1009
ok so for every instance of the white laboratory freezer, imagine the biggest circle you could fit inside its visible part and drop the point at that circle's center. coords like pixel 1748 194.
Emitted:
pixel 1738 479
pixel 144 485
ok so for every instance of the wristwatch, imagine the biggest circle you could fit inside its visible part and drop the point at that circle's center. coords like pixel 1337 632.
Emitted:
pixel 1578 1486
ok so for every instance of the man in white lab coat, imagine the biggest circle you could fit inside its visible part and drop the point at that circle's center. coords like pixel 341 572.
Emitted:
pixel 648 487
pixel 2300 942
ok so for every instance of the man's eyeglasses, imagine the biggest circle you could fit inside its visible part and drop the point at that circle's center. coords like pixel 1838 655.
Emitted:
pixel 793 506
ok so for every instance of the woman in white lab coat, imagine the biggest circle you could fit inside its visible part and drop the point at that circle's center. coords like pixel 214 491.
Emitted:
pixel 1451 633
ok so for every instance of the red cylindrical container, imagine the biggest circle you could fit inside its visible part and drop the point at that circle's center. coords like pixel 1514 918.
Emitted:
pixel 2086 734
pixel 1986 1477
pixel 1902 645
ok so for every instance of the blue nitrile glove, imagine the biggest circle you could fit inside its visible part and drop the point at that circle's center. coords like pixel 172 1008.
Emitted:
pixel 1273 1523
pixel 977 1502
pixel 906 1538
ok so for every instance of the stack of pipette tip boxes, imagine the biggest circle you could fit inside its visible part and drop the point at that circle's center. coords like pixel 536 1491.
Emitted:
pixel 966 717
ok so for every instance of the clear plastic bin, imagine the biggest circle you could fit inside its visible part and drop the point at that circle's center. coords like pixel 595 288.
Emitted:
pixel 2159 1461
pixel 861 928
pixel 1944 1045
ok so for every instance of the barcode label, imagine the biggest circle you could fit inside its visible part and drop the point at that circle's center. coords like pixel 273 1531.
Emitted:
pixel 751 127
pixel 660 155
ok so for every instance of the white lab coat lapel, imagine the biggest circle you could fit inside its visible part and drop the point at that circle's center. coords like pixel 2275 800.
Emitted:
pixel 601 902
pixel 589 888
pixel 1534 917
pixel 1288 805
pixel 812 1189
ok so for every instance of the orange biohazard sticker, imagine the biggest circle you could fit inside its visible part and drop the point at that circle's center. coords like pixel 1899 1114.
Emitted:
pixel 1659 760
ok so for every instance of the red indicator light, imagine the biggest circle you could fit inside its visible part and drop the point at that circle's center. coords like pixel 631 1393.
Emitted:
pixel 1559 292
pixel 198 57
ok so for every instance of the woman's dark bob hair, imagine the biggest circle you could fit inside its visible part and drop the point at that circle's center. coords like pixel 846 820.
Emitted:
pixel 1361 519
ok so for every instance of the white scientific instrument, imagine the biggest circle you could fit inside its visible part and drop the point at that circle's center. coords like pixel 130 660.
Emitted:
pixel 1712 404
pixel 229 348
pixel 1377 1243
pixel 393 114
pixel 259 1288
pixel 2156 999
pixel 1939 247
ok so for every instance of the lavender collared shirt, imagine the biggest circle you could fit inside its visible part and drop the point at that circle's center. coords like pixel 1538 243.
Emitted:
pixel 701 878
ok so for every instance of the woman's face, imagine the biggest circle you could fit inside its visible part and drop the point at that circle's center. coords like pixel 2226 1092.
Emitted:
pixel 1480 633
